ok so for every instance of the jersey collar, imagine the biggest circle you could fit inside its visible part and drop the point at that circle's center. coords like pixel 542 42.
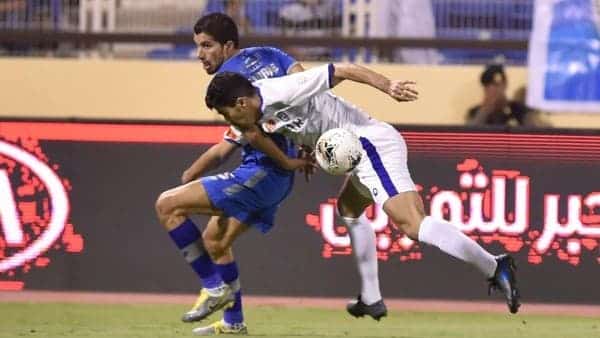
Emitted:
pixel 226 61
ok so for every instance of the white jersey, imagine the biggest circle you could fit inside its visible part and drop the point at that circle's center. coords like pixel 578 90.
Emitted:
pixel 301 107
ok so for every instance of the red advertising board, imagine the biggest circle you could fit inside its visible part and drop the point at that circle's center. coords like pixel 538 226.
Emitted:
pixel 77 213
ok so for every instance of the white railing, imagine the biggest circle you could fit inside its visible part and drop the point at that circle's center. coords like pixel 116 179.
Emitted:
pixel 97 15
pixel 446 19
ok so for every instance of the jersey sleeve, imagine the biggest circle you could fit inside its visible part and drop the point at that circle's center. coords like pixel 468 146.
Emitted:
pixel 235 136
pixel 295 89
pixel 284 59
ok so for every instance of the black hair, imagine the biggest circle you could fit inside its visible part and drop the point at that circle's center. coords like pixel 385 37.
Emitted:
pixel 224 89
pixel 491 74
pixel 220 26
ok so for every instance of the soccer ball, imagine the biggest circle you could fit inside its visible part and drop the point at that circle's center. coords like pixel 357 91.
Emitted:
pixel 338 151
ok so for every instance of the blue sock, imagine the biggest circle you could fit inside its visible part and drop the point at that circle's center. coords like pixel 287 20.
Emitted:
pixel 229 273
pixel 188 239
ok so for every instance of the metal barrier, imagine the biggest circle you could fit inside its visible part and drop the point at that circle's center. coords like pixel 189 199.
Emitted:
pixel 38 14
pixel 466 20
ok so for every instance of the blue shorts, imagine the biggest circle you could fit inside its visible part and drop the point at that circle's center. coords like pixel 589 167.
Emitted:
pixel 249 194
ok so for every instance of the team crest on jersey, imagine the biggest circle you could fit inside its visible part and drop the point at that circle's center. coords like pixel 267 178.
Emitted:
pixel 282 115
pixel 251 62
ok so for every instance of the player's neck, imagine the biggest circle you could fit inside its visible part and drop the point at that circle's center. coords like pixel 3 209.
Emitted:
pixel 231 53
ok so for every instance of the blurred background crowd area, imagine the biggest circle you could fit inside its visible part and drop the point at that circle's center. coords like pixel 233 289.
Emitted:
pixel 318 26
pixel 533 63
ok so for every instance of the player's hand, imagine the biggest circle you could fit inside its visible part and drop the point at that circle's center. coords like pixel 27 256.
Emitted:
pixel 403 91
pixel 298 163
pixel 308 170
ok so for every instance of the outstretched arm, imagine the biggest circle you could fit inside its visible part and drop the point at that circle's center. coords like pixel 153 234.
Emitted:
pixel 399 90
pixel 301 86
pixel 210 159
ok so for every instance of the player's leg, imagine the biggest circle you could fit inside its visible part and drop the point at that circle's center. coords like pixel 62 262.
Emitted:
pixel 249 197
pixel 175 205
pixel 173 208
pixel 218 237
pixel 352 201
pixel 391 185
pixel 406 210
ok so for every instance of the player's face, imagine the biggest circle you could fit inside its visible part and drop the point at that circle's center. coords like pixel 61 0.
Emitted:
pixel 243 114
pixel 210 52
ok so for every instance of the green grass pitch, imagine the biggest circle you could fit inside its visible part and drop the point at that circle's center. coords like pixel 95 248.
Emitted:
pixel 106 321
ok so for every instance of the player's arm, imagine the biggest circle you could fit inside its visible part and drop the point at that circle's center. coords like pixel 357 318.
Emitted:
pixel 250 132
pixel 285 60
pixel 292 66
pixel 210 159
pixel 295 89
pixel 298 88
pixel 254 135
pixel 399 90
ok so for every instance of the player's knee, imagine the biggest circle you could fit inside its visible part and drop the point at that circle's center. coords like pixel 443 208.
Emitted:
pixel 407 212
pixel 346 209
pixel 213 246
pixel 409 229
pixel 409 221
pixel 215 249
pixel 210 247
pixel 163 206
pixel 159 205
pixel 343 210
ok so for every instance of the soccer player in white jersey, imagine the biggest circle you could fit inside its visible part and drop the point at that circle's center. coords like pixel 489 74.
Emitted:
pixel 300 107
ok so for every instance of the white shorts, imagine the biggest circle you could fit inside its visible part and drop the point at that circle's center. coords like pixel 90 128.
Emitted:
pixel 382 171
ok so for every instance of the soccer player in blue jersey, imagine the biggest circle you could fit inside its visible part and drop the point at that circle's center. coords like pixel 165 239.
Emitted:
pixel 246 197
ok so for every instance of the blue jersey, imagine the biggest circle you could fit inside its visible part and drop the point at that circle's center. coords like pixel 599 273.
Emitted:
pixel 257 63
pixel 253 191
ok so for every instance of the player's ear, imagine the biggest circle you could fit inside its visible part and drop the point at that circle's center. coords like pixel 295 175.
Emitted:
pixel 229 46
pixel 241 101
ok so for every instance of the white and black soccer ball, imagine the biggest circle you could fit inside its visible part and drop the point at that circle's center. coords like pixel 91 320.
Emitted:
pixel 338 151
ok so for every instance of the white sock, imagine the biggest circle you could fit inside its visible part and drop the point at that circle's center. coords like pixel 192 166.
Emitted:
pixel 452 241
pixel 362 238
